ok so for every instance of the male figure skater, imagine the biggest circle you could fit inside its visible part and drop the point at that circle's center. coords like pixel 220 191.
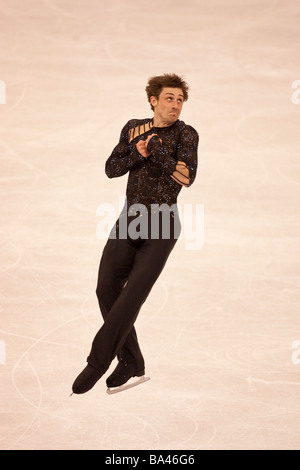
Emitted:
pixel 160 155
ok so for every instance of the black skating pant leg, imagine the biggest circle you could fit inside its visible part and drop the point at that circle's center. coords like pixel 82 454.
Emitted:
pixel 115 266
pixel 128 270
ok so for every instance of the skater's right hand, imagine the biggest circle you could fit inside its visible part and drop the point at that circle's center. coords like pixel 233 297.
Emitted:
pixel 142 148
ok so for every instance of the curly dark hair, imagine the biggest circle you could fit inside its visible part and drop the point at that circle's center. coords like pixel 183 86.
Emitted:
pixel 168 80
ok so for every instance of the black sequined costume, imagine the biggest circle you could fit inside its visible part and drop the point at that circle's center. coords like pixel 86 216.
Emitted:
pixel 149 179
pixel 129 268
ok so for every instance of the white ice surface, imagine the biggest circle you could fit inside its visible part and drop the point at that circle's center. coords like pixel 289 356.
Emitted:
pixel 220 331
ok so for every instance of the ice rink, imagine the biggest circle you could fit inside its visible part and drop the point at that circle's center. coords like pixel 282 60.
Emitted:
pixel 220 331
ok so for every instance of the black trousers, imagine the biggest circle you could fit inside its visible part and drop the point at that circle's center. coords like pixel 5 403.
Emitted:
pixel 128 270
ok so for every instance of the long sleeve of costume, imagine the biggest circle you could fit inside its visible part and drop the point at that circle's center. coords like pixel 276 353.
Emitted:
pixel 186 152
pixel 123 158
pixel 161 155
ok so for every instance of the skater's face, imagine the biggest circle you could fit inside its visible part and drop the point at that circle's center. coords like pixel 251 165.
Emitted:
pixel 167 107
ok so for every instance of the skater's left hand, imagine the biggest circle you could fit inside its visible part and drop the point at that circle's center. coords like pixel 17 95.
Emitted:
pixel 150 137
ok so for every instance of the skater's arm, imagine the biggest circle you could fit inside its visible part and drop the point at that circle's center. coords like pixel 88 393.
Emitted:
pixel 124 156
pixel 182 174
pixel 160 154
pixel 187 157
pixel 182 168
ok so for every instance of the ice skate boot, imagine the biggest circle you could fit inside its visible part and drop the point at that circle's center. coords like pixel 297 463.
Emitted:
pixel 118 380
pixel 86 380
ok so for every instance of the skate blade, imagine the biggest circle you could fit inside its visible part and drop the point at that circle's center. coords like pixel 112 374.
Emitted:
pixel 126 386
